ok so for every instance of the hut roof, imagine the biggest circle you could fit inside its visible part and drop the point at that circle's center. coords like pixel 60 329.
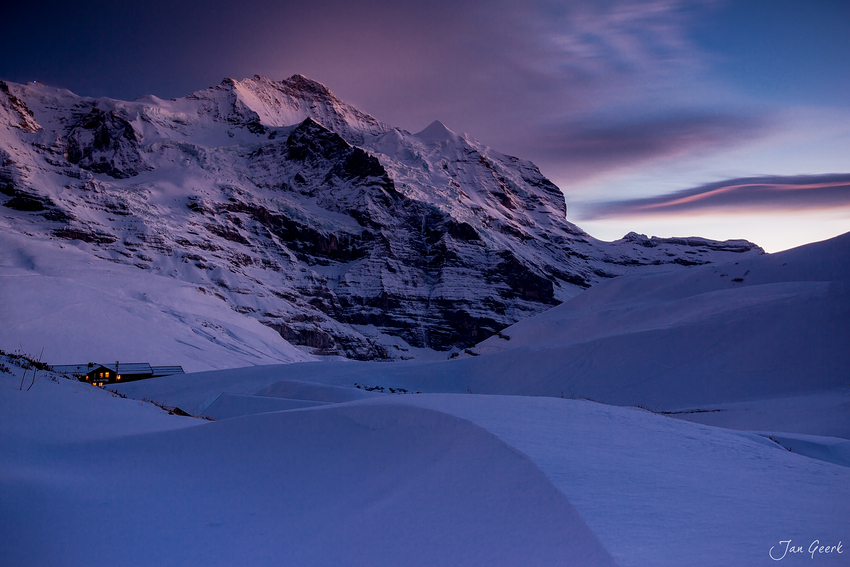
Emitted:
pixel 166 370
pixel 128 368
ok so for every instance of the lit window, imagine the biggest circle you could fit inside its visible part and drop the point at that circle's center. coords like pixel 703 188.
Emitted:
pixel 101 374
pixel 119 377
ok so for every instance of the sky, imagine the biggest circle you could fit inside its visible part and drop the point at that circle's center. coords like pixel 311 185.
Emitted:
pixel 622 103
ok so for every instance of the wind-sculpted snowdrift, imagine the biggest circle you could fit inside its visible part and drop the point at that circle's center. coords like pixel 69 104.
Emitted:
pixel 345 485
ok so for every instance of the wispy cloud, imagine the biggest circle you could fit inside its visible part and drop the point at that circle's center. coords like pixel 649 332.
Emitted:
pixel 804 192
pixel 605 38
pixel 579 87
pixel 584 148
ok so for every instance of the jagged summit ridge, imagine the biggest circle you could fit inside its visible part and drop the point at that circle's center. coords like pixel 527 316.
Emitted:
pixel 261 102
pixel 345 235
pixel 300 83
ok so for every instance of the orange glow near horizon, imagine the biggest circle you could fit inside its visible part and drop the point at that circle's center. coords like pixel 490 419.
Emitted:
pixel 772 230
pixel 728 188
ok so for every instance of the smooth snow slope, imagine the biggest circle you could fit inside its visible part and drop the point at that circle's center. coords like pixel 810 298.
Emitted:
pixel 406 480
pixel 339 485
pixel 82 311
pixel 659 301
pixel 661 492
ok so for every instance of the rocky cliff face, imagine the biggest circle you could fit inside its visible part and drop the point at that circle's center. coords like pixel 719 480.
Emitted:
pixel 345 235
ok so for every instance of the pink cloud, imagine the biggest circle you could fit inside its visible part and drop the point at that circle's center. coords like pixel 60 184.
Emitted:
pixel 756 194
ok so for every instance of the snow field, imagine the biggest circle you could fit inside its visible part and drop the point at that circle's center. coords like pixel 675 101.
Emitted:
pixel 340 484
pixel 395 480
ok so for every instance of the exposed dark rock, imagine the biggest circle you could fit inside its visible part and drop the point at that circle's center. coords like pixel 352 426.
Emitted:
pixel 323 342
pixel 28 203
pixel 686 262
pixel 28 200
pixel 86 235
pixel 227 233
pixel 26 119
pixel 736 246
pixel 462 231
pixel 303 239
pixel 523 282
pixel 311 141
pixel 103 142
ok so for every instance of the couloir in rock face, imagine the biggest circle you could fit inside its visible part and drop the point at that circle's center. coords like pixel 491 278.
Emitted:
pixel 338 231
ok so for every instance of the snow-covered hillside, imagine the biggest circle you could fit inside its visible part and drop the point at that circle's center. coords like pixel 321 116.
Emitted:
pixel 759 344
pixel 342 234
pixel 452 479
pixel 57 299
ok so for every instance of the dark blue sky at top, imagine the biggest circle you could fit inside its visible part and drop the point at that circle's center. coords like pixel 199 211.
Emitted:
pixel 777 49
pixel 583 88
pixel 782 49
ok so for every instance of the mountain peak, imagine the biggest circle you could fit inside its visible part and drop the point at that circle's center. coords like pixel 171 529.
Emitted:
pixel 262 102
pixel 301 83
pixel 437 132
pixel 296 85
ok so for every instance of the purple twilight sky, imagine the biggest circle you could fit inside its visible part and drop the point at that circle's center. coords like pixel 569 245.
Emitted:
pixel 622 103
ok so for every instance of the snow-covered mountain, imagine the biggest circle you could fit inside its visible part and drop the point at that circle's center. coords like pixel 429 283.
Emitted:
pixel 758 344
pixel 341 233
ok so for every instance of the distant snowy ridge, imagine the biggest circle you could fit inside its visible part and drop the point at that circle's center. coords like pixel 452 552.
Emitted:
pixel 341 233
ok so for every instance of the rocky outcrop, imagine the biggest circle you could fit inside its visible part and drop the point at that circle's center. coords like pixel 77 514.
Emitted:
pixel 19 115
pixel 101 141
